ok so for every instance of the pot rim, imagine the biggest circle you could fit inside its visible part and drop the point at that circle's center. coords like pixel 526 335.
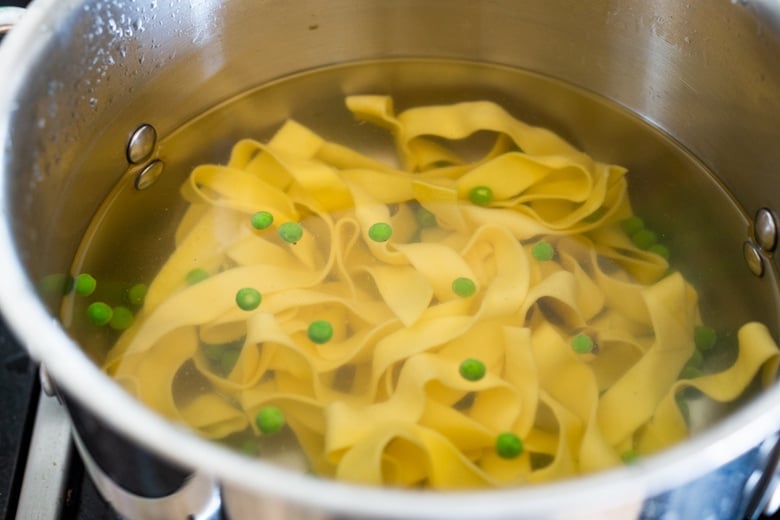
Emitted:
pixel 43 336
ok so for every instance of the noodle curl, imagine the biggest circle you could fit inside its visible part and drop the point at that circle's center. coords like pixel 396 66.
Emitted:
pixel 382 401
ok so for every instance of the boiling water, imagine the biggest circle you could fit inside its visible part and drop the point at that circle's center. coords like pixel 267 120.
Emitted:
pixel 132 234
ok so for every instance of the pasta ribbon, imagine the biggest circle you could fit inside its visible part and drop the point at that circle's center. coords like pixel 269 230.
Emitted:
pixel 392 279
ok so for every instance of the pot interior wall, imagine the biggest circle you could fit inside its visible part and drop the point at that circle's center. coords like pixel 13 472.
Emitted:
pixel 701 71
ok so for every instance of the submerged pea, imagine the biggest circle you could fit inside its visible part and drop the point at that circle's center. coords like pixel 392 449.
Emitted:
pixel 261 220
pixel 196 276
pixel 290 232
pixel 472 369
pixel 270 419
pixel 582 344
pixel 248 299
pixel 596 215
pixel 121 318
pixel 320 331
pixel 632 224
pixel 644 239
pixel 84 284
pixel 137 294
pixel 691 372
pixel 99 313
pixel 629 456
pixel 425 218
pixel 481 195
pixel 508 445
pixel 380 232
pixel 543 251
pixel 661 250
pixel 228 359
pixel 704 337
pixel 56 284
pixel 464 287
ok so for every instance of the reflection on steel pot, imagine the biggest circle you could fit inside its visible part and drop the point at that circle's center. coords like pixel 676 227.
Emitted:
pixel 82 76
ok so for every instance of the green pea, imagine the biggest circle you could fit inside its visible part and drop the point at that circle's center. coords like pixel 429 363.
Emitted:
pixel 644 239
pixel 121 318
pixel 261 220
pixel 425 218
pixel 696 359
pixel 464 287
pixel 249 447
pixel 596 215
pixel 270 419
pixel 290 232
pixel 380 232
pixel 629 456
pixel 582 344
pixel 682 404
pixel 212 352
pixel 99 313
pixel 543 251
pixel 248 299
pixel 85 284
pixel 508 445
pixel 227 360
pixel 442 163
pixel 320 331
pixel 196 276
pixel 704 337
pixel 136 294
pixel 481 195
pixel 57 284
pixel 472 369
pixel 632 224
pixel 661 250
pixel 691 372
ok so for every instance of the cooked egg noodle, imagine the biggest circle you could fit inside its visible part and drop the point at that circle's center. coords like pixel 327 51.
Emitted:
pixel 405 416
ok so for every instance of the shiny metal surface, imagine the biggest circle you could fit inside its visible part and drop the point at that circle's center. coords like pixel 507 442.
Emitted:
pixel 141 144
pixel 198 498
pixel 149 175
pixel 47 385
pixel 9 17
pixel 764 482
pixel 753 258
pixel 42 493
pixel 766 229
pixel 78 74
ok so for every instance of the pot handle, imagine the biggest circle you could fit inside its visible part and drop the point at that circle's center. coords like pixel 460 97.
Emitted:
pixel 9 17
pixel 762 489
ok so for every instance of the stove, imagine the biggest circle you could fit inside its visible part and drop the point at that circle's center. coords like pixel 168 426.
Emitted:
pixel 41 477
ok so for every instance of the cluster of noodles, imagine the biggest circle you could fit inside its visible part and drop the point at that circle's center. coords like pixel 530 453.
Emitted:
pixel 383 402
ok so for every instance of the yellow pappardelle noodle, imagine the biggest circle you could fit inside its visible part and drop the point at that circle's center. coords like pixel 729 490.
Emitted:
pixel 505 262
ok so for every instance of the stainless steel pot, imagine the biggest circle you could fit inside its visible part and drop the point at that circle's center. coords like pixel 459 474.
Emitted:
pixel 80 75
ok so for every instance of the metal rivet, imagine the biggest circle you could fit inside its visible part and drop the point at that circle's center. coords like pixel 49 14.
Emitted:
pixel 149 175
pixel 753 258
pixel 141 144
pixel 47 385
pixel 766 229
